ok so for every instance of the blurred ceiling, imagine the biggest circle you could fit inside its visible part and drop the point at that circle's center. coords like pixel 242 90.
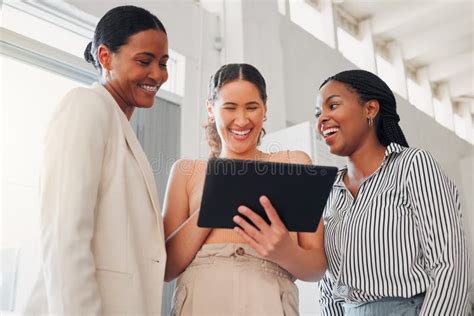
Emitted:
pixel 435 35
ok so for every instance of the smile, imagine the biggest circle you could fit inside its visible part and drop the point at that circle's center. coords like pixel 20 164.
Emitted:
pixel 149 88
pixel 240 133
pixel 330 131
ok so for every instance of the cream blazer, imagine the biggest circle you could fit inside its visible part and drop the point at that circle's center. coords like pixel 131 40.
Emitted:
pixel 101 227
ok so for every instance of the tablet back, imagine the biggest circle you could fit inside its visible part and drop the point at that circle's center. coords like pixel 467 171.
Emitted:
pixel 298 192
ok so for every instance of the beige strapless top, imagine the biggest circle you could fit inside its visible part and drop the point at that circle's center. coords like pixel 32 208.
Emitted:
pixel 195 187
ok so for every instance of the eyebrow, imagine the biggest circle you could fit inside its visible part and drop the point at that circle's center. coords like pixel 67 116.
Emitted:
pixel 248 103
pixel 332 96
pixel 153 55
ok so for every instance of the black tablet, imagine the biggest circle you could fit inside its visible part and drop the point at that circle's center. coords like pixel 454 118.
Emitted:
pixel 298 192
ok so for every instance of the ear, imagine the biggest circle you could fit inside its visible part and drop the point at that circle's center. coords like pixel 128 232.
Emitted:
pixel 210 109
pixel 105 56
pixel 372 108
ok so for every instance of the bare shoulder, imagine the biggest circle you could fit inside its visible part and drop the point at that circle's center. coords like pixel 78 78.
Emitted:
pixel 184 167
pixel 187 168
pixel 300 157
pixel 291 156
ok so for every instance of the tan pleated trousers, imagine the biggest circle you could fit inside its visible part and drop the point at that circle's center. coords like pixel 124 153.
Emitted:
pixel 232 279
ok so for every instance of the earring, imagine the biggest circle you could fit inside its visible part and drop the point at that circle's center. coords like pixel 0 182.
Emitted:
pixel 371 121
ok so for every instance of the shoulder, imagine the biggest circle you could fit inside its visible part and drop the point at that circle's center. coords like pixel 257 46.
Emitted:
pixel 86 105
pixel 291 156
pixel 88 97
pixel 421 163
pixel 412 156
pixel 186 168
pixel 299 157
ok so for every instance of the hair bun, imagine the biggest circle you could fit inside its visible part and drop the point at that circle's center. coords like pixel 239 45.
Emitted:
pixel 88 54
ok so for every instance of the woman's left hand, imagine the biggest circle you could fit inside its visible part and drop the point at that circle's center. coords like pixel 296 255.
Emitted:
pixel 271 241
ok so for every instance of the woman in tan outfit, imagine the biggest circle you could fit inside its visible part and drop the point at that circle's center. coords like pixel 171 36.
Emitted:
pixel 245 271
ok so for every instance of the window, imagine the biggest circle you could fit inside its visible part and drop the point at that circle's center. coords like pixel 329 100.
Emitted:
pixel 26 108
pixel 306 16
pixel 415 93
pixel 385 71
pixel 443 113
pixel 352 48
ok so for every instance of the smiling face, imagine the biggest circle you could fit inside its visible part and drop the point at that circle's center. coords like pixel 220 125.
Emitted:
pixel 137 69
pixel 342 119
pixel 239 112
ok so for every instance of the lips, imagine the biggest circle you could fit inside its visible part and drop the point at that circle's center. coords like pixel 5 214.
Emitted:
pixel 329 131
pixel 240 134
pixel 150 88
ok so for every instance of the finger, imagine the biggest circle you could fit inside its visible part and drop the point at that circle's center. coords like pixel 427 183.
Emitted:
pixel 252 242
pixel 254 218
pixel 248 228
pixel 270 211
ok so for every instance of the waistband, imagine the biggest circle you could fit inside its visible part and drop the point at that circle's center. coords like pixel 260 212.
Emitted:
pixel 417 298
pixel 241 253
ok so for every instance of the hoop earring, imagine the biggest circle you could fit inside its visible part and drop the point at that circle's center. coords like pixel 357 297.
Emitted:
pixel 371 121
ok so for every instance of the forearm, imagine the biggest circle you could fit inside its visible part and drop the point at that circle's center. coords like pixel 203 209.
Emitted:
pixel 305 264
pixel 182 246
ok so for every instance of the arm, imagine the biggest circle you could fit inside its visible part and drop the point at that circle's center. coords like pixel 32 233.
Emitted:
pixel 305 260
pixel 438 219
pixel 71 173
pixel 183 237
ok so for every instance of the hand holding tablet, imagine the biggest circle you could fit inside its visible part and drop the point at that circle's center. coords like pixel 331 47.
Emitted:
pixel 297 192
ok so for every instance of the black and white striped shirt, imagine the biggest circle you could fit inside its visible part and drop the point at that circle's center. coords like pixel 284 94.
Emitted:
pixel 401 236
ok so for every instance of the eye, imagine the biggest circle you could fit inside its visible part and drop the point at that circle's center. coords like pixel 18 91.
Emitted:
pixel 253 107
pixel 144 62
pixel 332 106
pixel 163 65
pixel 317 114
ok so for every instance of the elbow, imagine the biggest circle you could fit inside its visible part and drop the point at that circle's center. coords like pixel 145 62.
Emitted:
pixel 169 274
pixel 317 273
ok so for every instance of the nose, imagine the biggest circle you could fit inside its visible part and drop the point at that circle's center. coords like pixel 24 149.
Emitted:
pixel 322 119
pixel 158 73
pixel 242 118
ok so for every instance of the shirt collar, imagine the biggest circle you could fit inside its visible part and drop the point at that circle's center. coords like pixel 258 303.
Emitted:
pixel 392 148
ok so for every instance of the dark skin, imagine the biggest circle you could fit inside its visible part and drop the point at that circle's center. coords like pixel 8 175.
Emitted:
pixel 343 122
pixel 135 72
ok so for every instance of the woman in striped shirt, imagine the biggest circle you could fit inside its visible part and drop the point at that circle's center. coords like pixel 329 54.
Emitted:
pixel 393 233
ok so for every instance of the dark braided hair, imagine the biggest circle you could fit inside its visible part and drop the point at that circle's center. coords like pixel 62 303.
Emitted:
pixel 115 28
pixel 370 87
pixel 226 74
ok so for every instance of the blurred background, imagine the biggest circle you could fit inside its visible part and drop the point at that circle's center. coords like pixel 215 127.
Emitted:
pixel 424 50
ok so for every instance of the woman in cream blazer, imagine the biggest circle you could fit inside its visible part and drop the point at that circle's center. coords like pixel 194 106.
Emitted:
pixel 102 233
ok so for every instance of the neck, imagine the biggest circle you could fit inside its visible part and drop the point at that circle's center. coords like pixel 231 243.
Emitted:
pixel 252 154
pixel 365 160
pixel 124 106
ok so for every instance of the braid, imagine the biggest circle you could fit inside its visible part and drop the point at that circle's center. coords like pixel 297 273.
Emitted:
pixel 370 87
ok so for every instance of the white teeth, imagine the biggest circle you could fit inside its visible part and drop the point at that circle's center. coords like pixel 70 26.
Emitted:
pixel 240 133
pixel 149 88
pixel 328 131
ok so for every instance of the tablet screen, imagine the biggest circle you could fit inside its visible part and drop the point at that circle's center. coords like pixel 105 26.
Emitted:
pixel 298 192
